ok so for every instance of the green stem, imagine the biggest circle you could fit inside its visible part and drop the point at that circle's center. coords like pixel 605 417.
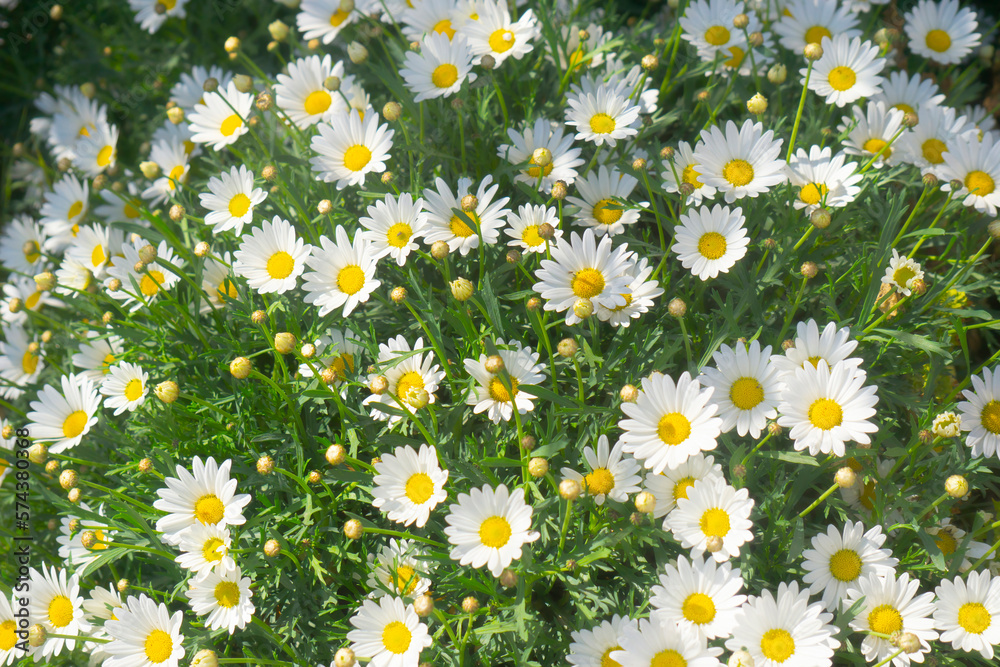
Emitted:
pixel 818 501
pixel 798 114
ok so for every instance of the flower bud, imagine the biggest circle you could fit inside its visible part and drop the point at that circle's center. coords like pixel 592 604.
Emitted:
pixel 713 543
pixel 68 479
pixel 74 495
pixel 205 658
pixel 629 393
pixel 175 115
pixel 398 294
pixel 513 256
pixel 145 465
pixel 757 104
pixel 528 443
pixel 813 51
pixel 809 270
pixel 569 489
pixel 278 30
pixel 741 21
pixel 392 111
pixel 559 190
pixel 51 467
pixel 378 385
pixel 508 578
pixel 740 658
pixel 777 74
pixel 583 308
pixel 150 170
pixel 533 304
pixel 649 62
pixel 994 230
pixel 45 281
pixel 265 465
pixel 756 39
pixel 264 101
pixel 538 467
pixel 567 347
pixel 645 502
pixel 344 658
pixel 910 119
pixel 909 642
pixel 272 548
pixel 167 391
pixel 314 477
pixel 541 157
pixel 417 398
pixel 37 453
pixel 284 342
pixel 240 368
pixel 820 218
pixel 845 477
pixel 462 289
pixel 232 45
pixel 469 203
pixel 36 635
pixel 439 250
pixel 335 454
pixel 956 486
pixel 258 317
pixel 494 364
pixel 677 308
pixel 357 53
pixel 423 605
pixel 470 605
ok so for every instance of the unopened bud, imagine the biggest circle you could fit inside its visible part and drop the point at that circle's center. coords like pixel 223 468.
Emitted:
pixel 513 256
pixel 777 74
pixel 68 479
pixel 353 529
pixel 567 347
pixel 645 502
pixel 528 443
pixel 508 578
pixel 240 368
pixel 956 486
pixel 439 250
pixel 820 218
pixel 538 467
pixel 677 307
pixel 757 104
pixel 284 342
pixel 314 477
pixel 202 249
pixel 167 391
pixel 398 294
pixel 423 605
pixel 583 308
pixel 809 270
pixel 462 289
pixel 232 44
pixel 264 101
pixel 378 385
pixel 740 658
pixel 357 53
pixel 211 84
pixel 51 467
pixel 541 157
pixel 470 605
pixel 910 119
pixel 956 184
pixel 813 51
pixel 344 658
pixel 278 30
pixel 74 495
pixel 845 477
pixel 45 281
pixel 559 190
pixel 629 393
pixel 994 230
pixel 37 635
pixel 713 544
pixel 909 642
pixel 533 304
pixel 649 62
pixel 272 548
pixel 756 39
pixel 37 453
pixel 332 83
pixel 147 253
pixel 265 465
pixel 469 203
pixel 205 658
pixel 150 170
pixel 107 317
pixel 569 489
pixel 741 21
pixel 494 364
pixel 335 454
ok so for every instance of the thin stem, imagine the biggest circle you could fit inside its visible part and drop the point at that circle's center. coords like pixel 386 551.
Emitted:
pixel 819 501
pixel 798 114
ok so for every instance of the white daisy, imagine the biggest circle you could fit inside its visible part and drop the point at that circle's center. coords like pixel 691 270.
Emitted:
pixel 593 647
pixel 489 527
pixel 977 166
pixel 889 606
pixel 610 476
pixel 602 117
pixel 208 496
pixel 21 246
pixel 144 633
pixel 710 241
pixel 151 17
pixel 825 407
pixel 603 202
pixel 968 612
pixel 939 129
pixel 822 179
pixel 32 299
pixel 742 162
pixel 190 88
pixel 323 19
pixel 388 633
pixel 125 387
pixel 951 541
pixel 272 257
pixel 902 272
pixel 981 413
pixel 394 225
pixel 94 247
pixel 674 483
pixel 173 162
pixel 700 596
pixel 833 346
pixel 63 419
pixel 439 69
pixel 409 484
pixel 638 300
pixel 71 548
pixel 102 604
pixel 343 275
pixel 684 169
pixel 656 642
pixel 712 509
pixel 909 93
pixel 140 288
pixel 746 385
pixel 498 394
pixel 231 200
pixel 336 350
pixel 9 649
pixel 944 32
pixel 97 355
pixel 524 224
pixel 784 630
pixel 549 135
pixel 398 569
pixel 848 70
pixel 350 147
pixel 205 547
pixel 463 231
pixel 870 130
pixel 224 597
pixel 64 209
pixel 708 26
pixel 409 376
pixel 97 151
pixel 20 361
pixel 495 34
pixel 838 559
pixel 302 93
pixel 809 21
pixel 578 52
pixel 221 120
pixel 76 119
pixel 56 604
pixel 218 283
pixel 430 17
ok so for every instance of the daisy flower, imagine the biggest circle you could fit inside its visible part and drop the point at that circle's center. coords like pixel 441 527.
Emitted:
pixel 56 604
pixel 869 131
pixel 394 225
pixel 140 288
pixel 602 117
pixel 430 17
pixel 708 26
pixel 784 630
pixel 489 527
pixel 224 597
pixel 97 355
pixel 600 204
pixel 495 34
pixel 350 147
pixel 947 425
pixel 699 596
pixel 950 539
pixel 272 257
pixel 216 281
pixel 742 162
pixel 890 605
pixel 445 224
pixel 64 209
pixel 909 93
pixel 638 300
pixel 674 483
pixel 549 135
pixel 205 547
pixel 63 419
pixel 657 642
pixel 7 456
pixel 173 162
pixel 981 413
pixel 977 166
pixel 388 633
pixel 302 93
pixel 848 70
pixel 579 53
pixel 610 476
pixel 94 247
pixel 71 548
pixel 77 119
pixel 144 633
pixel 97 151
pixel 336 350
pixel 103 603
pixel 398 570
pixel 684 169
pixel 944 32
pixel 712 509
pixel 825 407
pixel 669 422
pixel 20 361
pixel 584 269
pixel 409 378
pixel 839 558
pixel 809 21
pixel 746 387
pixel 593 647
pixel 833 346
pixel 343 275
pixel 822 179
pixel 409 484
pixel 206 497
pixel 150 16
pixel 498 394
pixel 32 299
pixel 439 69
pixel 125 387
pixel 902 272
pixel 968 612
pixel 323 19
pixel 190 88
pixel 231 200
pixel 524 224
pixel 937 132
pixel 21 246
pixel 220 121
pixel 9 651
pixel 710 241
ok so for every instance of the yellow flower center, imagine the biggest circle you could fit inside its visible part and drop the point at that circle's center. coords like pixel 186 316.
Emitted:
pixel 444 75
pixel 32 301
pixel 885 619
pixel 738 172
pixel 168 4
pixel 777 645
pixel 357 157
pixel 602 123
pixel 499 393
pixel 974 617
pixel 712 245
pixel 7 636
pixel 280 265
pixel 606 215
pixel 227 290
pixel 587 283
pixel 406 579
pixel 459 228
pixel 104 156
pixel 101 541
pixel 211 552
pixel 698 608
pixel 714 522
pixel 494 532
pixel 903 275
pixel 825 413
pixel 979 183
pixel 904 107
pixel 932 150
pixel 230 125
pixel 717 35
pixel 531 237
pixel 158 646
pixel 227 594
pixel 239 205
pixel 599 482
pixel 396 637
pixel 444 26
pixel 746 393
pixel 109 359
pixel 812 193
pixel 175 175
pixel 501 40
pixel 84 132
pixel 97 256
pixel 938 40
pixel 74 210
pixel 946 542
pixel 668 658
pixel 606 660
pixel 399 235
pixel 409 383
pixel 150 283
pixel 350 279
pixel 133 390
pixel 74 424
pixel 342 364
pixel 990 417
pixel 815 34
pixel 681 488
pixel 841 78
pixel 60 611
pixel 874 145
pixel 209 509
pixel 338 17
pixel 31 252
pixel 419 488
pixel 845 565
pixel 673 428
pixel 29 363
pixel 690 175
pixel 535 172
pixel 130 211
pixel 317 102
pixel 736 56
